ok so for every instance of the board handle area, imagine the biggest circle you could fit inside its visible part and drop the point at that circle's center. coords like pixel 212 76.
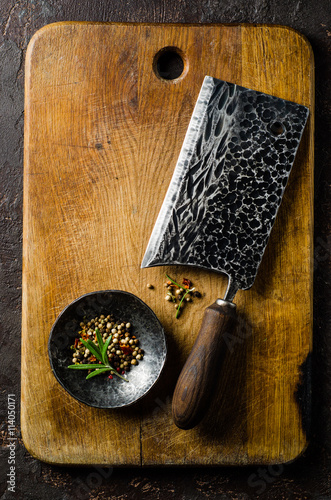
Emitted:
pixel 197 381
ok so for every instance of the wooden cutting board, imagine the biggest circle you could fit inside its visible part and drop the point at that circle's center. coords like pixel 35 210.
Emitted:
pixel 102 135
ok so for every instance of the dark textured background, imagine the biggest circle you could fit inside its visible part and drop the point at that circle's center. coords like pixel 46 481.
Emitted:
pixel 307 478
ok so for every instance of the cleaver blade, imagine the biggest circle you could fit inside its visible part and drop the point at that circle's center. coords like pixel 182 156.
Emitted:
pixel 220 207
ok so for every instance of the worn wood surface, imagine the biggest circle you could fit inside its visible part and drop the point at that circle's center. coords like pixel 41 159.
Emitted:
pixel 102 136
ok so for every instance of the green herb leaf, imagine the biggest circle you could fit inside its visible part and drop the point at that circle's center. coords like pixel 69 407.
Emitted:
pixel 180 303
pixel 104 351
pixel 98 371
pixel 100 352
pixel 93 348
pixel 99 339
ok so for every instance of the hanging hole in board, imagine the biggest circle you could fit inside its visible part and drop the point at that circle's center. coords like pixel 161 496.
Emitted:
pixel 277 128
pixel 170 63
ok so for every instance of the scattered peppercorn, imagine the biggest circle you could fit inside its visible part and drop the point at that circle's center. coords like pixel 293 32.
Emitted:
pixel 180 294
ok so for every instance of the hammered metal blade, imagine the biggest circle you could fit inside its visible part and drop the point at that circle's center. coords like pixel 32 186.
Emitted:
pixel 228 182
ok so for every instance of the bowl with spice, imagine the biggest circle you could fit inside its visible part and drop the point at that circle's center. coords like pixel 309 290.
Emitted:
pixel 107 349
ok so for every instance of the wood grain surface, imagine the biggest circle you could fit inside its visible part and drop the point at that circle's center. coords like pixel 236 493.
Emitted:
pixel 102 136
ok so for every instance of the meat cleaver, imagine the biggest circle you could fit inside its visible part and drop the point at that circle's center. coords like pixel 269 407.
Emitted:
pixel 219 210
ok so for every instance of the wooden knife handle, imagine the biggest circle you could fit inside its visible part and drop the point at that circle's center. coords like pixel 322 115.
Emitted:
pixel 197 381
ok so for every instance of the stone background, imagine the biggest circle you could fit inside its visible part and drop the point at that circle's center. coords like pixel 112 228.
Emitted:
pixel 307 478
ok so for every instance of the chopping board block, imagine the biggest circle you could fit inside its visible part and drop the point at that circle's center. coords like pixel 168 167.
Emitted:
pixel 103 131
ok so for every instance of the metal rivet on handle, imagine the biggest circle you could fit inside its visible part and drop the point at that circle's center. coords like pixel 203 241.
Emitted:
pixel 277 128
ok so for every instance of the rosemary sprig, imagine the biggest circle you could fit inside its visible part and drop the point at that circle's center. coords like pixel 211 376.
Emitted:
pixel 187 290
pixel 92 347
pixel 100 352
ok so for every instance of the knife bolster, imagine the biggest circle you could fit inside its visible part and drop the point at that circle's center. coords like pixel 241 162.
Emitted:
pixel 227 306
pixel 197 381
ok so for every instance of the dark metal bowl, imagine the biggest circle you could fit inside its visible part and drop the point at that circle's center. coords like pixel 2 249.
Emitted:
pixel 99 391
